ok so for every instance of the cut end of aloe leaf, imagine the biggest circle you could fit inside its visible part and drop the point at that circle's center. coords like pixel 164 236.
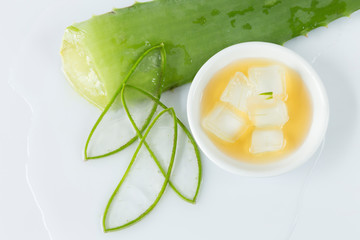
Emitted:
pixel 79 69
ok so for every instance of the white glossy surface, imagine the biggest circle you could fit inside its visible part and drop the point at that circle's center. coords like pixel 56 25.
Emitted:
pixel 277 53
pixel 323 200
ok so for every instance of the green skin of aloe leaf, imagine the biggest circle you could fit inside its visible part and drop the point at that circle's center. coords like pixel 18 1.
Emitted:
pixel 192 31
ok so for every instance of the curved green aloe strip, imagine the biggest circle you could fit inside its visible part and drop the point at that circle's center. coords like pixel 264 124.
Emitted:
pixel 167 176
pixel 139 131
pixel 118 91
pixel 188 134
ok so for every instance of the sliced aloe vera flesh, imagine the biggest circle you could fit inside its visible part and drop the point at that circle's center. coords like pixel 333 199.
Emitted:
pixel 142 185
pixel 113 131
pixel 191 30
pixel 186 177
pixel 187 173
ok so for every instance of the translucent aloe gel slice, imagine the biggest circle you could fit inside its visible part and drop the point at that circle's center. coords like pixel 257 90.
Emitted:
pixel 186 177
pixel 188 172
pixel 113 131
pixel 97 53
pixel 142 185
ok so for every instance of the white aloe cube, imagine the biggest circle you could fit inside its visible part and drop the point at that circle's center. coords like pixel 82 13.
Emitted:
pixel 237 92
pixel 266 140
pixel 268 113
pixel 225 123
pixel 268 79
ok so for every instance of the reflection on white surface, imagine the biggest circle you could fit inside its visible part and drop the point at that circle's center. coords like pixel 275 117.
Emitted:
pixel 38 204
pixel 331 209
pixel 307 180
pixel 72 194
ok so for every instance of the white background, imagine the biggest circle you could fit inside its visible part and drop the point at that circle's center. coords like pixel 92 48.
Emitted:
pixel 320 200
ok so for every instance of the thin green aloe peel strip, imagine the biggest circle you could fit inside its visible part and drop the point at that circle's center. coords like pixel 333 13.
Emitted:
pixel 113 126
pixel 112 210
pixel 142 186
pixel 269 94
pixel 186 179
pixel 266 94
pixel 188 172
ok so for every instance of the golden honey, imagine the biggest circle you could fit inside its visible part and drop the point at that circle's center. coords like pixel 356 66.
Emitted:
pixel 298 104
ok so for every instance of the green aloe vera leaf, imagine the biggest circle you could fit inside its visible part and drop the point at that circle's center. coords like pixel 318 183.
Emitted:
pixel 132 197
pixel 113 125
pixel 97 53
pixel 187 174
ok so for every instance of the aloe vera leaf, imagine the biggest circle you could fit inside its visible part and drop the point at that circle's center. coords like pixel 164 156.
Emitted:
pixel 98 52
pixel 192 171
pixel 125 190
pixel 115 113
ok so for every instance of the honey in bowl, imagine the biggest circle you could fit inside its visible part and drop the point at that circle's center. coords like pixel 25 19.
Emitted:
pixel 256 110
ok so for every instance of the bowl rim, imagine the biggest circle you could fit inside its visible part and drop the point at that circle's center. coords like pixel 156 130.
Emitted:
pixel 278 53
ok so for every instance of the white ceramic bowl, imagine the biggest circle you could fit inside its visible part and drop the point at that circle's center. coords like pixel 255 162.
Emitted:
pixel 270 51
